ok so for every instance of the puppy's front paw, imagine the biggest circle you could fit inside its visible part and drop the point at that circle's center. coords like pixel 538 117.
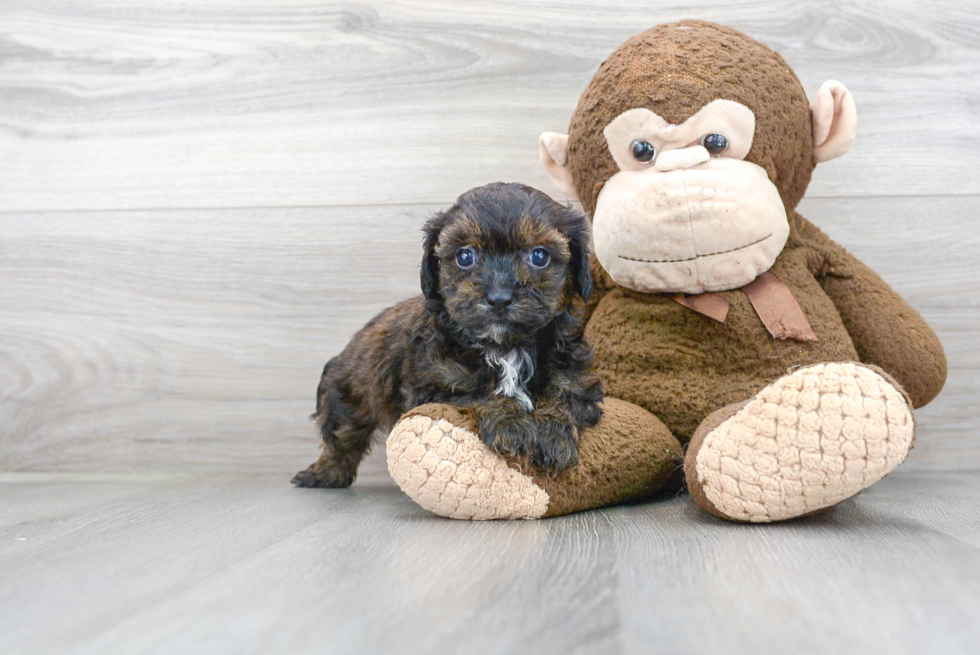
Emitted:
pixel 549 442
pixel 585 414
pixel 508 433
pixel 557 445
pixel 319 476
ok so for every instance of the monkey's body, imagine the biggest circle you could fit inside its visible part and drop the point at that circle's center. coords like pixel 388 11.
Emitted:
pixel 682 366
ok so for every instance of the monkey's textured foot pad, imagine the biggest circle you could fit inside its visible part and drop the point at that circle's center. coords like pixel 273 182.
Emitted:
pixel 449 471
pixel 806 442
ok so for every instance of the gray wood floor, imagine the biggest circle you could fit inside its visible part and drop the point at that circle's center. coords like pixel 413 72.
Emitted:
pixel 241 562
pixel 201 201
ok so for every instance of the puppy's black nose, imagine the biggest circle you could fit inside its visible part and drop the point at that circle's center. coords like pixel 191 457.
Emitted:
pixel 500 298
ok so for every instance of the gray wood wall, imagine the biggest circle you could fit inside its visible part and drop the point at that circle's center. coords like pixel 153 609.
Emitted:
pixel 201 201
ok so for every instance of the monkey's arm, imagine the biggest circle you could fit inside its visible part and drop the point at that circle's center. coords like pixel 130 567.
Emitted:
pixel 886 331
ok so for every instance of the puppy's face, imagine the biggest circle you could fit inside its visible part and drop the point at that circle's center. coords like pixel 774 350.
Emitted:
pixel 505 260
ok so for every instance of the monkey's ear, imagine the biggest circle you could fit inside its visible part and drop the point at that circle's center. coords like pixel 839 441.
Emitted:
pixel 553 152
pixel 834 121
pixel 429 271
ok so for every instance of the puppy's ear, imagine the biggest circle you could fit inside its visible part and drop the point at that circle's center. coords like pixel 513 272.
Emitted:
pixel 582 270
pixel 579 235
pixel 429 271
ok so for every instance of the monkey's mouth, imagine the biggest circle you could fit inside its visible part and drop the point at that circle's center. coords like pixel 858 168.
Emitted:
pixel 691 259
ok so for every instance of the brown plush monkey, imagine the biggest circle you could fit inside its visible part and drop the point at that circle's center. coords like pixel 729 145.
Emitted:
pixel 723 318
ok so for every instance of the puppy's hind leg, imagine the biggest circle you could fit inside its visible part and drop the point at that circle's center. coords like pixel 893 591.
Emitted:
pixel 346 431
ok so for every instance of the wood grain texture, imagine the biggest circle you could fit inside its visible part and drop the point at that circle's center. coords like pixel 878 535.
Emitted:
pixel 157 339
pixel 232 103
pixel 243 563
pixel 193 340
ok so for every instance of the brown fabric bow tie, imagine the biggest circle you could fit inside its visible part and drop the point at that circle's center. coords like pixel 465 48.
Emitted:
pixel 772 301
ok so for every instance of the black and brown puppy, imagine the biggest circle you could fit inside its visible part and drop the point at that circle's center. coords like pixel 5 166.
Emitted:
pixel 496 330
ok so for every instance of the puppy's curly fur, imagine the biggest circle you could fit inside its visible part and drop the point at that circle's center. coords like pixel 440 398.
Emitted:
pixel 498 330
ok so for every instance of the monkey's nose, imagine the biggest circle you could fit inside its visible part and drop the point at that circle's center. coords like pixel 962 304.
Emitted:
pixel 672 160
pixel 500 298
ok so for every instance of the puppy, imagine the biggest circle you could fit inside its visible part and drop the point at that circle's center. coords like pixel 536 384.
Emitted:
pixel 497 330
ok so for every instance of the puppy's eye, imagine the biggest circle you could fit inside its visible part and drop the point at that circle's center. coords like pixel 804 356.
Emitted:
pixel 715 143
pixel 465 258
pixel 643 151
pixel 540 257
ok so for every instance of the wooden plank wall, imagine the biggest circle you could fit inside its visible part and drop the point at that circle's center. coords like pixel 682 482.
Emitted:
pixel 201 201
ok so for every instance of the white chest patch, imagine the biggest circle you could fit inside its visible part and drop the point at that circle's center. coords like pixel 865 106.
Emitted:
pixel 515 369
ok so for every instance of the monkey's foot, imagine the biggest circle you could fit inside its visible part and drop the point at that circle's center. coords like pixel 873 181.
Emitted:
pixel 806 442
pixel 439 461
pixel 447 469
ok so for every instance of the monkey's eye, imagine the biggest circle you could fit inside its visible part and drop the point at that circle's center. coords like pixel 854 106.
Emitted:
pixel 465 257
pixel 643 152
pixel 715 143
pixel 540 257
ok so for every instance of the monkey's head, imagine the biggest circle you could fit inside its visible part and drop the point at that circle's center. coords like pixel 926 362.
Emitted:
pixel 504 261
pixel 688 148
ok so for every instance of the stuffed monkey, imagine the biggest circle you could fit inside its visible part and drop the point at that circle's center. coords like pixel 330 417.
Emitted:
pixel 723 321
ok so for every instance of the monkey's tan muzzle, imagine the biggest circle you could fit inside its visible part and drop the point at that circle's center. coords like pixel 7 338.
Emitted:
pixel 713 226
